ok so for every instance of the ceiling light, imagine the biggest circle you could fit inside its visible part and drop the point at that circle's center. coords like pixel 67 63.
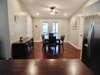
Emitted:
pixel 52 13
pixel 53 10
pixel 65 14
pixel 37 14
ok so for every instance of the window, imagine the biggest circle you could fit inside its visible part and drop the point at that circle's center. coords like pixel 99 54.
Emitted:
pixel 55 27
pixel 45 28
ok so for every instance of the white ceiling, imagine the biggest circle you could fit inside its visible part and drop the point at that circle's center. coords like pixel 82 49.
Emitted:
pixel 42 6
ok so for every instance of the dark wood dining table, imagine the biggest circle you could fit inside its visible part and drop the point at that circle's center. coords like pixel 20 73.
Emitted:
pixel 52 45
pixel 44 67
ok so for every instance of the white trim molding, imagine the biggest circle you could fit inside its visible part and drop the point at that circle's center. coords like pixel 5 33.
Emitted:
pixel 73 45
pixel 37 40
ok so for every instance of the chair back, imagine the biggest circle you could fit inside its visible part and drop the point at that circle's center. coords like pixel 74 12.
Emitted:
pixel 42 37
pixel 62 37
pixel 45 41
pixel 52 39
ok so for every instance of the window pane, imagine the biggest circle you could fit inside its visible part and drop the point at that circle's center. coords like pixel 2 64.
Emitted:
pixel 45 28
pixel 55 27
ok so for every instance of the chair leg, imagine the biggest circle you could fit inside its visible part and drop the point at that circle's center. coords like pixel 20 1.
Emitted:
pixel 42 49
pixel 62 48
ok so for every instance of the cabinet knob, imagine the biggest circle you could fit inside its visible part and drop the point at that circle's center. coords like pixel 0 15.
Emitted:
pixel 86 45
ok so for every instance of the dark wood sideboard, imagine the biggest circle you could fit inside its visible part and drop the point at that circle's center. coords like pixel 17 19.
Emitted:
pixel 22 49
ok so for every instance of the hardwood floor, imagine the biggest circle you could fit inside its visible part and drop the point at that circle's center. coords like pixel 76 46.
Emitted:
pixel 44 67
pixel 69 52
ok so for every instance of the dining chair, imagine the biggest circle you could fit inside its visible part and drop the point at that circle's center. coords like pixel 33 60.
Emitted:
pixel 44 43
pixel 62 41
pixel 51 45
pixel 54 45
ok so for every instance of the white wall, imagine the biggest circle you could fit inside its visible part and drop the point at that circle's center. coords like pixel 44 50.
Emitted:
pixel 95 8
pixel 76 31
pixel 5 51
pixel 37 27
pixel 78 18
pixel 29 26
pixel 19 21
pixel 73 31
pixel 13 8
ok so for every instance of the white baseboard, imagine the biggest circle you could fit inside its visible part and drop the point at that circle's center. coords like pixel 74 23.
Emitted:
pixel 73 45
pixel 41 41
pixel 37 40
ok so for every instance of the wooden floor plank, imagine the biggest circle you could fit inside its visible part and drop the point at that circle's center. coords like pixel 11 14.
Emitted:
pixel 44 67
pixel 69 52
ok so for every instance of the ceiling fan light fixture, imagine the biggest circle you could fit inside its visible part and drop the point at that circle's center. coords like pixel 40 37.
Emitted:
pixel 52 13
pixel 53 10
pixel 53 7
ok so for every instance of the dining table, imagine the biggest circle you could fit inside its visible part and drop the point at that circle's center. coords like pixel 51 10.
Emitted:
pixel 44 67
pixel 57 35
pixel 52 46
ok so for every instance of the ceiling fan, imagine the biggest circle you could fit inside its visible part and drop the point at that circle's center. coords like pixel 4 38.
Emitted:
pixel 53 10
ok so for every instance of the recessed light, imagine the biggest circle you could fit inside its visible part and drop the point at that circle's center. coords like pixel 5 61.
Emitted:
pixel 37 14
pixel 65 14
